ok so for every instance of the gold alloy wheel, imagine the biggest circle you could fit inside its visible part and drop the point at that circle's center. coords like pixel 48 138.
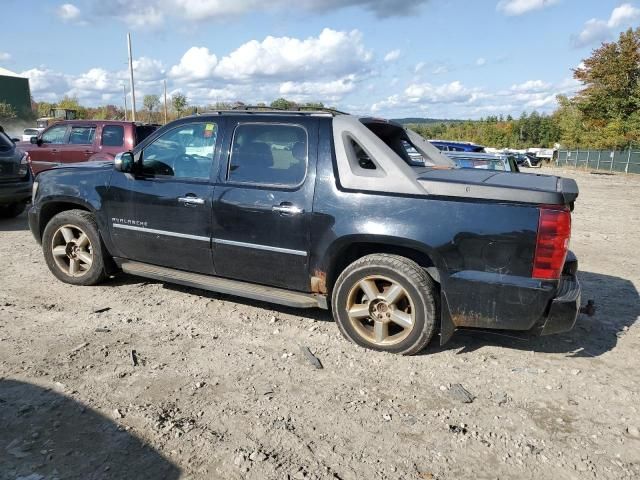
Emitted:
pixel 381 310
pixel 72 250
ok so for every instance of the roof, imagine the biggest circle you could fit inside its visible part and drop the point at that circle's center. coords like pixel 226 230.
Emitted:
pixel 8 73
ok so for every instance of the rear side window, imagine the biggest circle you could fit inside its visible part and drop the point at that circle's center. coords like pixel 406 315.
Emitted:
pixel 113 135
pixel 268 154
pixel 143 131
pixel 82 135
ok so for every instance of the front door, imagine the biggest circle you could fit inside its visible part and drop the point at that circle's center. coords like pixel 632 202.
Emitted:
pixel 262 203
pixel 162 215
pixel 46 154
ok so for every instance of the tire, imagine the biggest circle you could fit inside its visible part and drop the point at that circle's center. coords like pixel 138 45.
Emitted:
pixel 382 275
pixel 64 245
pixel 12 210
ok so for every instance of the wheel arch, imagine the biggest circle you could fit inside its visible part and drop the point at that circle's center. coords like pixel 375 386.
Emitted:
pixel 50 209
pixel 342 253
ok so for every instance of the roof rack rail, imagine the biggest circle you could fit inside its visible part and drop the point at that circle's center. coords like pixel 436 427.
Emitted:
pixel 300 110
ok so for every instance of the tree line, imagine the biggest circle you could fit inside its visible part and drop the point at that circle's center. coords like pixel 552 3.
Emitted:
pixel 604 114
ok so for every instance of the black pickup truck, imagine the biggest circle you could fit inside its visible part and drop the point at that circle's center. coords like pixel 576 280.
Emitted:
pixel 320 209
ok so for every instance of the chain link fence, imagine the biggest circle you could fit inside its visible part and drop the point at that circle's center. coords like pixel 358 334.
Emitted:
pixel 626 161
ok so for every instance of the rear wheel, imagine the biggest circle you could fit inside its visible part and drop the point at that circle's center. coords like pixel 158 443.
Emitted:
pixel 387 303
pixel 12 210
pixel 73 249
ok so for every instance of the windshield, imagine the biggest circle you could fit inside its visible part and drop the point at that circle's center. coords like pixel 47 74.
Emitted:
pixel 408 145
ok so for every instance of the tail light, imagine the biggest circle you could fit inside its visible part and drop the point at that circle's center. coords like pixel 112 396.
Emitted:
pixel 25 165
pixel 552 244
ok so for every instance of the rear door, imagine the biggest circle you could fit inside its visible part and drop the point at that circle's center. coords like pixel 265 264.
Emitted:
pixel 47 153
pixel 262 203
pixel 80 144
pixel 162 215
pixel 111 140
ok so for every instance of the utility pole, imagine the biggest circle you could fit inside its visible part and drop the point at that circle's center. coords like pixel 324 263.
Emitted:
pixel 165 101
pixel 124 94
pixel 133 90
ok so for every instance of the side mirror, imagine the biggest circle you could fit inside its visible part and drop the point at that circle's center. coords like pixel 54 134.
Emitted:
pixel 15 140
pixel 123 162
pixel 34 140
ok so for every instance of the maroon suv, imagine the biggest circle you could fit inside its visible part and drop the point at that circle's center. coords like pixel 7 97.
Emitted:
pixel 74 141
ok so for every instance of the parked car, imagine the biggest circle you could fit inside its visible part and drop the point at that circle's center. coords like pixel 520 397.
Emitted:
pixel 486 161
pixel 454 146
pixel 73 141
pixel 15 178
pixel 28 133
pixel 342 218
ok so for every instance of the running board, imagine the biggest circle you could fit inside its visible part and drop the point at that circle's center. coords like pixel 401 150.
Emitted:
pixel 224 285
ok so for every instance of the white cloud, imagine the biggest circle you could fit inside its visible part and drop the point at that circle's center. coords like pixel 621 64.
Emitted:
pixel 392 56
pixel 330 90
pixel 440 70
pixel 456 100
pixel 196 64
pixel 531 86
pixel 332 53
pixel 481 61
pixel 68 12
pixel 598 30
pixel 453 92
pixel 148 69
pixel 5 57
pixel 519 7
pixel 419 67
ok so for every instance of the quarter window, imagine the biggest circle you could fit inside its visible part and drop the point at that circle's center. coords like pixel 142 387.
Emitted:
pixel 113 135
pixel 185 152
pixel 54 135
pixel 82 135
pixel 268 154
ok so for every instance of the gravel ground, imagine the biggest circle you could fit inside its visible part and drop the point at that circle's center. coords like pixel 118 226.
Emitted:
pixel 221 388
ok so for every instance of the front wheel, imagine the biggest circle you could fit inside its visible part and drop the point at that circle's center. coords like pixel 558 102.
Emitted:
pixel 73 249
pixel 386 303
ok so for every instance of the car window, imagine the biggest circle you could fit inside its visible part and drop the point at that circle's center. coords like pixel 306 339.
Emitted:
pixel 82 135
pixel 268 154
pixel 185 151
pixel 54 135
pixel 113 135
pixel 143 131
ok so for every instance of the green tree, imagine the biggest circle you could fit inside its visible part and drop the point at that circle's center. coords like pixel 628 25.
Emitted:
pixel 283 104
pixel 611 79
pixel 151 102
pixel 179 103
pixel 7 112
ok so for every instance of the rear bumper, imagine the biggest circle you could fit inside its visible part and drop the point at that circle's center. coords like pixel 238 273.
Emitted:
pixel 503 302
pixel 564 308
pixel 15 192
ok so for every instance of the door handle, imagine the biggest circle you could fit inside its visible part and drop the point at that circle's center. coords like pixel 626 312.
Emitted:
pixel 287 209
pixel 191 200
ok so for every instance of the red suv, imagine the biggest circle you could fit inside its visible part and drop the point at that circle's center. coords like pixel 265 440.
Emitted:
pixel 75 141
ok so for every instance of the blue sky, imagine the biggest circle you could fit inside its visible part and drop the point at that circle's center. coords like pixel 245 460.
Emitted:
pixel 435 58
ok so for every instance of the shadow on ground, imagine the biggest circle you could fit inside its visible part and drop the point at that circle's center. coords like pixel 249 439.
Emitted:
pixel 617 302
pixel 45 434
pixel 18 224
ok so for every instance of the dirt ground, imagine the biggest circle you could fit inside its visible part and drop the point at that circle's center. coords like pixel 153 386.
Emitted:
pixel 222 390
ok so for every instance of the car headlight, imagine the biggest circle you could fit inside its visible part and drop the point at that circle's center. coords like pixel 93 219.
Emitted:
pixel 34 192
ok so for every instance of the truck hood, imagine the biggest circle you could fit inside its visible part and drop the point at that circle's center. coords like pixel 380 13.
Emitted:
pixel 502 186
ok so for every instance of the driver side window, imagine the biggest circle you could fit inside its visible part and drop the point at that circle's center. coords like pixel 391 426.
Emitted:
pixel 184 152
pixel 55 135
